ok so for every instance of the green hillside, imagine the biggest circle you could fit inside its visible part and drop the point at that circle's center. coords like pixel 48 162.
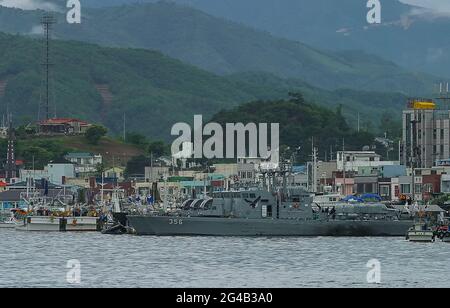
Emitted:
pixel 371 106
pixel 223 47
pixel 410 36
pixel 300 123
pixel 152 90
pixel 43 150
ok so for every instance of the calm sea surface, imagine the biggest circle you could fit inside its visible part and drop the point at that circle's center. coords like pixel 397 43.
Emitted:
pixel 40 260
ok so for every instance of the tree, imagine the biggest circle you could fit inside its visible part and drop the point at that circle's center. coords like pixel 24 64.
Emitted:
pixel 137 139
pixel 297 98
pixel 100 169
pixel 390 125
pixel 157 148
pixel 340 119
pixel 95 133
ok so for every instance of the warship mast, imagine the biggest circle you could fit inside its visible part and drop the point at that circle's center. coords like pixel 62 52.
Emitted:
pixel 11 170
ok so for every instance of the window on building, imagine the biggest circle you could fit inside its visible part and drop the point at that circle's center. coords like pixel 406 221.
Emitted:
pixel 384 190
pixel 405 188
pixel 442 134
pixel 434 134
pixel 428 188
pixel 269 211
pixel 359 188
pixel 418 188
pixel 445 187
pixel 368 188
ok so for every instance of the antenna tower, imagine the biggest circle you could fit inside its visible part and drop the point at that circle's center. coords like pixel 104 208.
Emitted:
pixel 47 22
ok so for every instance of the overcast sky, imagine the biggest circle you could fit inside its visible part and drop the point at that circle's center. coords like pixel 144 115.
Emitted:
pixel 440 5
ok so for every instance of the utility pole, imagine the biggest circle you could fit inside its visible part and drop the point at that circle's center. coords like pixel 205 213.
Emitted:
pixel 359 123
pixel 151 167
pixel 124 128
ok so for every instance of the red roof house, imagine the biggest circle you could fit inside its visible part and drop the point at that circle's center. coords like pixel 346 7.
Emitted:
pixel 63 126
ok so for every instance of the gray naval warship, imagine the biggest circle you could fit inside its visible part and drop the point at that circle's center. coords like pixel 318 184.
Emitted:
pixel 262 212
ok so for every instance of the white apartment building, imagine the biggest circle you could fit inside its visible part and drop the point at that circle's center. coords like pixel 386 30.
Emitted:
pixel 353 160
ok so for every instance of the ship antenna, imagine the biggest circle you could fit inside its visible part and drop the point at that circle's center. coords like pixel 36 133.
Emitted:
pixel 343 167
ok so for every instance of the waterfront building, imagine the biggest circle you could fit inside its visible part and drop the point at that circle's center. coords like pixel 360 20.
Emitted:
pixel 85 163
pixel 353 160
pixel 426 134
pixel 156 173
pixel 57 173
pixel 228 170
pixel 115 172
pixel 247 169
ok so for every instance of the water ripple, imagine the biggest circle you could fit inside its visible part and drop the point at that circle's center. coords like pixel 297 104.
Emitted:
pixel 40 259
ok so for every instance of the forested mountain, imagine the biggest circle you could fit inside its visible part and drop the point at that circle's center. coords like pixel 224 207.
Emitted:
pixel 301 123
pixel 224 47
pixel 410 36
pixel 153 91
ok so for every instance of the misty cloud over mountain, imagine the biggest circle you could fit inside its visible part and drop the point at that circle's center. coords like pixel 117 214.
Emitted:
pixel 30 4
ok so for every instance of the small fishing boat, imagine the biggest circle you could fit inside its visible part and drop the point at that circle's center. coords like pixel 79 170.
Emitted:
pixel 11 221
pixel 56 214
pixel 58 223
pixel 421 232
pixel 8 224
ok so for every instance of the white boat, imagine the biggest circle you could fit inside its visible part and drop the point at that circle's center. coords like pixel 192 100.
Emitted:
pixel 420 232
pixel 58 224
pixel 54 214
pixel 82 224
pixel 38 223
pixel 7 224
pixel 10 222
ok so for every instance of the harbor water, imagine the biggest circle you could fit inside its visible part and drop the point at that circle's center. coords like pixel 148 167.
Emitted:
pixel 41 260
